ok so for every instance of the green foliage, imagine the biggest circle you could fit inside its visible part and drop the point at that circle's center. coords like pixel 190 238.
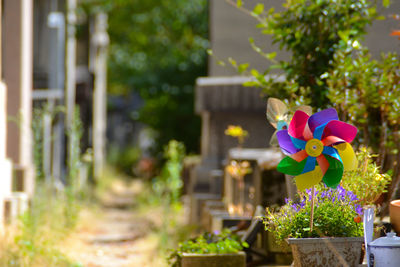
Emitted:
pixel 168 184
pixel 312 31
pixel 35 243
pixel 38 120
pixel 334 216
pixel 158 48
pixel 366 181
pixel 208 243
pixel 124 159
pixel 366 92
pixel 74 161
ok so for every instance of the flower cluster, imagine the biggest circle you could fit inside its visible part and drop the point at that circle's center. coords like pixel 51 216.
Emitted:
pixel 237 132
pixel 238 169
pixel 336 214
pixel 340 196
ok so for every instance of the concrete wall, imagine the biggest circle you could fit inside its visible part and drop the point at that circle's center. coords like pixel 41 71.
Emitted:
pixel 230 30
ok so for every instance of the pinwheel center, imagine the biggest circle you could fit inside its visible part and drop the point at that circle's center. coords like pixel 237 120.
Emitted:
pixel 314 147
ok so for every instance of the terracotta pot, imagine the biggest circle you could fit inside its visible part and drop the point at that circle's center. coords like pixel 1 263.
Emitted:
pixel 213 260
pixel 327 251
pixel 394 210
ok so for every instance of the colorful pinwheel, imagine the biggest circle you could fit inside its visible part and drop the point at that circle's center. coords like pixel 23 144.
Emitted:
pixel 317 148
pixel 278 115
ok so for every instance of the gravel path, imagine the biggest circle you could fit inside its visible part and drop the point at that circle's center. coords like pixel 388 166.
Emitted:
pixel 115 234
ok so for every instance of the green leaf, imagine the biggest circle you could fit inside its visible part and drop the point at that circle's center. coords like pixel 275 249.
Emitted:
pixel 243 67
pixel 232 61
pixel 386 3
pixel 239 3
pixel 271 56
pixel 258 9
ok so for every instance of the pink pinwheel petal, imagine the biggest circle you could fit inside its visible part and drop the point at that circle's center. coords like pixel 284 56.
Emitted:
pixel 297 124
pixel 340 129
pixel 329 140
pixel 299 156
pixel 323 163
pixel 285 142
pixel 307 133
pixel 322 117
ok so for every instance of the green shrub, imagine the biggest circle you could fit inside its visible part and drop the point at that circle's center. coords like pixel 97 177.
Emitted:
pixel 366 181
pixel 336 214
pixel 208 243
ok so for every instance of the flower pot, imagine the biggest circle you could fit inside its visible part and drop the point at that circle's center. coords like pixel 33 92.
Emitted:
pixel 213 260
pixel 327 251
pixel 394 210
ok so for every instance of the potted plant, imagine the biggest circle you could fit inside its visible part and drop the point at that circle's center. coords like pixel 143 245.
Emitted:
pixel 337 232
pixel 366 181
pixel 325 228
pixel 210 249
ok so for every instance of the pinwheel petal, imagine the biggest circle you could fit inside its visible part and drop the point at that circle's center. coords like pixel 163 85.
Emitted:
pixel 319 130
pixel 323 163
pixel 334 173
pixel 331 140
pixel 299 156
pixel 290 166
pixel 276 110
pixel 274 140
pixel 309 179
pixel 322 117
pixel 304 108
pixel 332 152
pixel 348 156
pixel 285 142
pixel 297 124
pixel 340 129
pixel 310 164
pixel 298 143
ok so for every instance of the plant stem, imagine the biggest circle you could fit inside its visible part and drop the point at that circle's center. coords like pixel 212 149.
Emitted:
pixel 312 209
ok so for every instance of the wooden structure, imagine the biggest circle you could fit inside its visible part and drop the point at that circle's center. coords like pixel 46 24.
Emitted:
pixel 263 186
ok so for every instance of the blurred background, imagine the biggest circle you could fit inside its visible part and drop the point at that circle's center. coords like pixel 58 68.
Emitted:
pixel 113 115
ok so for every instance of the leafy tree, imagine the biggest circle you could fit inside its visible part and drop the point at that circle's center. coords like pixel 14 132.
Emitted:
pixel 158 49
pixel 312 30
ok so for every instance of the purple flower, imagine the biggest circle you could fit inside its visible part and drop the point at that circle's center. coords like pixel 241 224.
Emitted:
pixel 359 209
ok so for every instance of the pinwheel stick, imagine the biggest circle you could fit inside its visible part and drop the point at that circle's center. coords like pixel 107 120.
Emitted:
pixel 312 208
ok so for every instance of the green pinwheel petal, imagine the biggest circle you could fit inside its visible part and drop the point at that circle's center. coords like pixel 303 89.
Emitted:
pixel 290 166
pixel 334 173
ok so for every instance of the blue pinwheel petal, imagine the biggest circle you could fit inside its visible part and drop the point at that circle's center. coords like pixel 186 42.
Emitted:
pixel 332 152
pixel 319 131
pixel 298 143
pixel 310 164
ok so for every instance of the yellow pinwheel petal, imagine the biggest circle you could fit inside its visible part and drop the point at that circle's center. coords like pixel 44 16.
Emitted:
pixel 308 179
pixel 347 155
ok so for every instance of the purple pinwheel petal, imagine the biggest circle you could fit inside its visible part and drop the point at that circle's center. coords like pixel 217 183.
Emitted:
pixel 322 117
pixel 285 142
pixel 340 129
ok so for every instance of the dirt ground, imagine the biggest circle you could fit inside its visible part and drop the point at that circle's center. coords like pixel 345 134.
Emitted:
pixel 115 233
